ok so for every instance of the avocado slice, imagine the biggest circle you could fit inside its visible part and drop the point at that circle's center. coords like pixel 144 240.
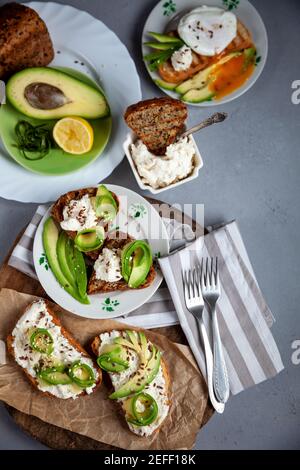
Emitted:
pixel 106 207
pixel 163 46
pixel 131 343
pixel 144 346
pixel 144 375
pixel 201 78
pixel 50 239
pixel 103 191
pixel 165 38
pixel 47 93
pixel 166 85
pixel 249 56
pixel 105 204
pixel 90 239
pixel 62 259
pixel 76 264
pixel 141 264
pixel 198 96
pixel 134 340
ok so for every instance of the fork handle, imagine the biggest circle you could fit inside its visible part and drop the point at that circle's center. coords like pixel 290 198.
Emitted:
pixel 219 407
pixel 220 375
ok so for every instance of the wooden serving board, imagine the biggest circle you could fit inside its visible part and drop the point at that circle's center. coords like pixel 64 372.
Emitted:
pixel 48 434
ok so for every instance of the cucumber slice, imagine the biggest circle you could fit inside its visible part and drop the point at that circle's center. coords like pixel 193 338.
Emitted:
pixel 198 96
pixel 166 85
pixel 164 37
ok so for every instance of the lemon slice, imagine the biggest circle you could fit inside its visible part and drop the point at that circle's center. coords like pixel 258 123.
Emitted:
pixel 74 135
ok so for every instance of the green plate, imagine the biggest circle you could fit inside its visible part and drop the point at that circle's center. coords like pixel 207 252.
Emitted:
pixel 57 162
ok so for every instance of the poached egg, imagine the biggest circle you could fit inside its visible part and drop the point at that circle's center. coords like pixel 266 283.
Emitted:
pixel 208 30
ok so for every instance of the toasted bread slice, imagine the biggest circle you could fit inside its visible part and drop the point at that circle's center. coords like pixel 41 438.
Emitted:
pixel 38 314
pixel 117 241
pixel 165 391
pixel 24 40
pixel 169 74
pixel 157 122
pixel 64 200
pixel 242 41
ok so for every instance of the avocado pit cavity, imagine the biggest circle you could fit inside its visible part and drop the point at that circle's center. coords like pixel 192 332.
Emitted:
pixel 45 96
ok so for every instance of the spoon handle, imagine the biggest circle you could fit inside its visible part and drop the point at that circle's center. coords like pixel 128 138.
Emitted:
pixel 215 118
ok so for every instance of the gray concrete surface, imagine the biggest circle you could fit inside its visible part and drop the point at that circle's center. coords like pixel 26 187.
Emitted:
pixel 252 173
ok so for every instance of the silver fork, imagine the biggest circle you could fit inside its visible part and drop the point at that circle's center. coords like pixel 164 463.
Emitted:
pixel 195 304
pixel 210 286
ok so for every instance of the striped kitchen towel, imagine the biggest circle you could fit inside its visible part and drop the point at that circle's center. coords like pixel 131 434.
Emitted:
pixel 251 353
pixel 159 311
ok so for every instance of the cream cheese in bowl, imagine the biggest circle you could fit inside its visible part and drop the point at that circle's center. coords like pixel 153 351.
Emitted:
pixel 159 172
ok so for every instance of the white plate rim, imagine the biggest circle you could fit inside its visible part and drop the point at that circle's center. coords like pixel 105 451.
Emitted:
pixel 66 301
pixel 240 91
pixel 25 186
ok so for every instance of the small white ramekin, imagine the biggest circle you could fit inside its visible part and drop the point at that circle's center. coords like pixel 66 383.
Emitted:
pixel 131 138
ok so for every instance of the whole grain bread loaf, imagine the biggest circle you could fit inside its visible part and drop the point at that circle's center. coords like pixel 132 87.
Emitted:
pixel 157 122
pixel 24 40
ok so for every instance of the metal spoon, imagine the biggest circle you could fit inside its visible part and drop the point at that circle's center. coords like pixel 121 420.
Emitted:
pixel 214 119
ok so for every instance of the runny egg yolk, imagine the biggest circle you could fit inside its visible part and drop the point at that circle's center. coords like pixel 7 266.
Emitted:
pixel 230 76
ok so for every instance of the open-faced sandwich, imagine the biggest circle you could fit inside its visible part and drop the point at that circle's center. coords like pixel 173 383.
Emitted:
pixel 160 157
pixel 139 376
pixel 53 361
pixel 78 234
pixel 84 214
pixel 208 56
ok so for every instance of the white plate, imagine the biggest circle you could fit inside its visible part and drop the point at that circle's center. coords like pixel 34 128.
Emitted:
pixel 142 222
pixel 198 164
pixel 80 39
pixel 166 10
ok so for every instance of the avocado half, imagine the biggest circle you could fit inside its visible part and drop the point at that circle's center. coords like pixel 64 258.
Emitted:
pixel 46 93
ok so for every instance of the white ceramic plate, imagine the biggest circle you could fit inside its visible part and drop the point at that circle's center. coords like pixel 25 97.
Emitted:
pixel 78 39
pixel 142 221
pixel 167 11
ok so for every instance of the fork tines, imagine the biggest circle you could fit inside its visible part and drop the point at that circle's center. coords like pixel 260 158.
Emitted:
pixel 209 271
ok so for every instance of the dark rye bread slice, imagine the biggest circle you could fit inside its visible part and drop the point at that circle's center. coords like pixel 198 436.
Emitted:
pixel 157 122
pixel 116 241
pixel 64 200
pixel 71 340
pixel 95 346
pixel 24 40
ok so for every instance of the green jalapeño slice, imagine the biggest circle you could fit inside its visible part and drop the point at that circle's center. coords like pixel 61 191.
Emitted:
pixel 42 341
pixel 82 374
pixel 144 410
pixel 112 359
pixel 55 377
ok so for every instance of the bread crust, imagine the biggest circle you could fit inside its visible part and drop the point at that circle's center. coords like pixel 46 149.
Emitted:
pixel 95 345
pixel 64 200
pixel 157 122
pixel 71 340
pixel 24 40
pixel 96 286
